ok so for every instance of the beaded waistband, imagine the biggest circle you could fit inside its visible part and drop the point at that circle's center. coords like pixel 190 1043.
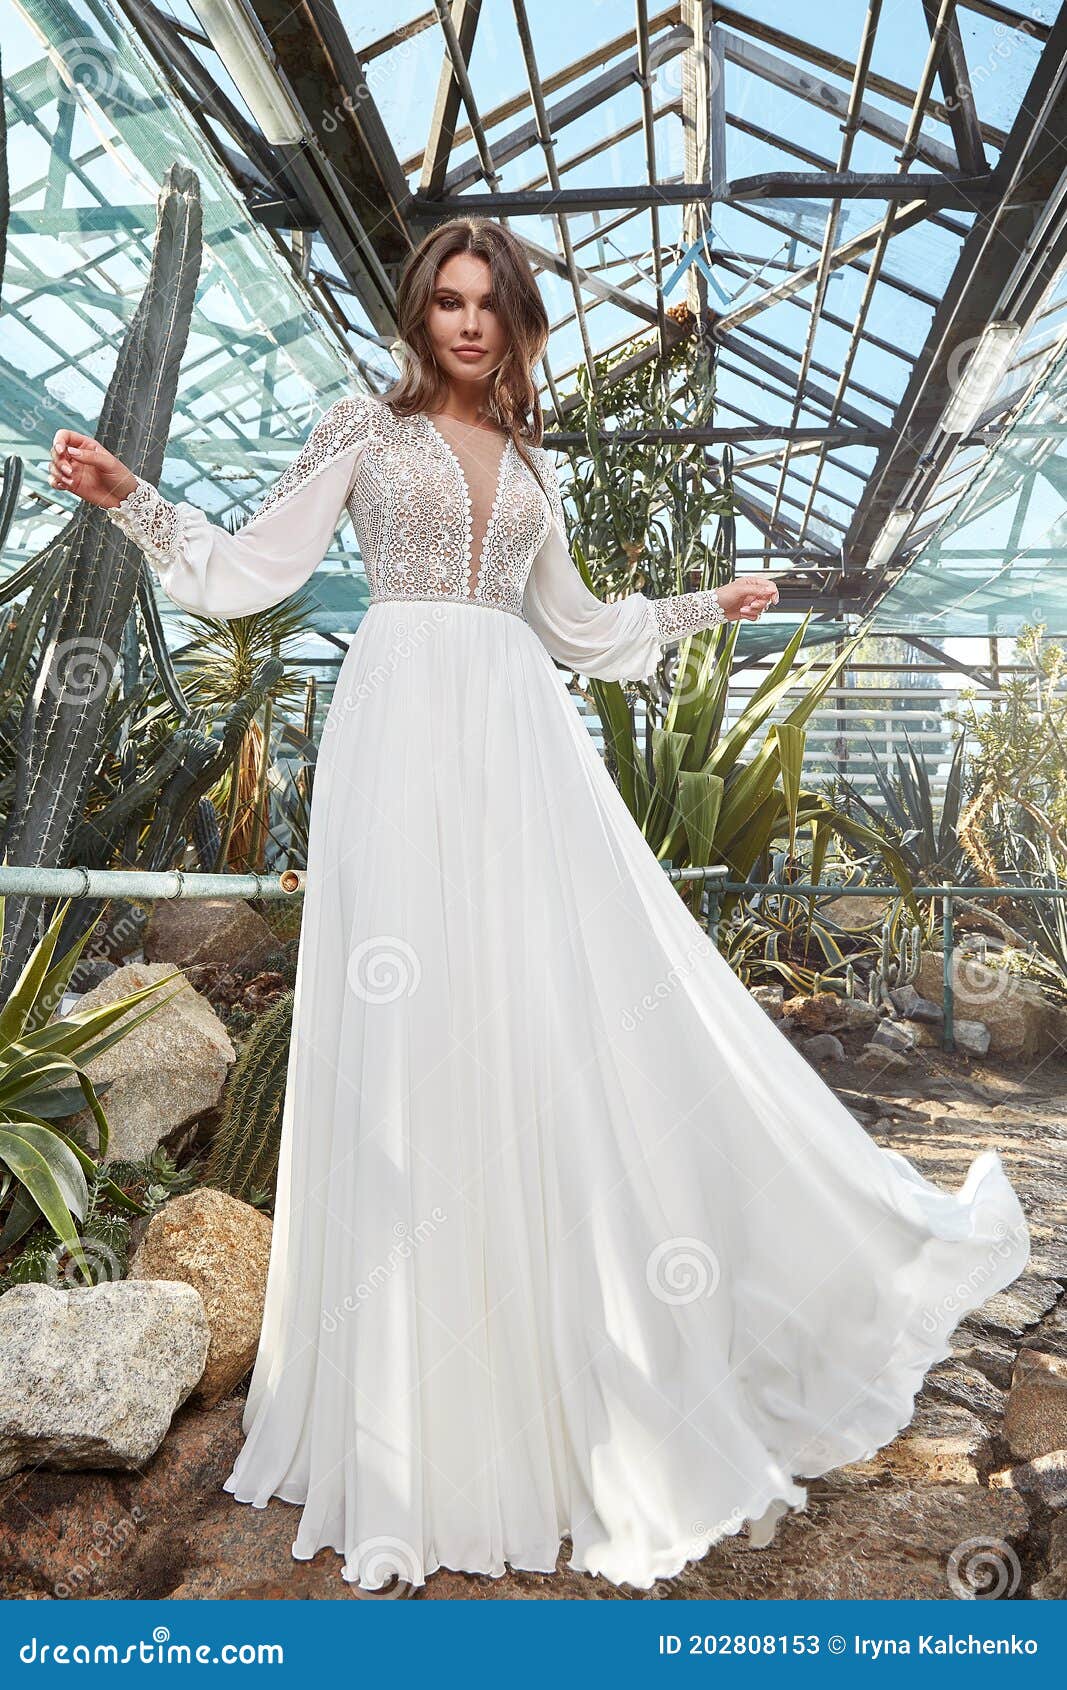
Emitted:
pixel 443 598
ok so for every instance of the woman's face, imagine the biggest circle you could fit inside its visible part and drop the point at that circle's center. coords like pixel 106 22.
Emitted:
pixel 465 332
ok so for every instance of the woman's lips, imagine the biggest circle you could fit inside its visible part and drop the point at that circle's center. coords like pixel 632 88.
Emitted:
pixel 470 352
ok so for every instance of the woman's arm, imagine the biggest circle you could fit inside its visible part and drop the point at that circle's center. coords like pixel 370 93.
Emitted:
pixel 203 567
pixel 621 641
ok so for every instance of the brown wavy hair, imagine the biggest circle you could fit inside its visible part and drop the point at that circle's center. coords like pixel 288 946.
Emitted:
pixel 513 400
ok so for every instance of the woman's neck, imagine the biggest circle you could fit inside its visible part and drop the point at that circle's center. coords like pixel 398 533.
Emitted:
pixel 467 403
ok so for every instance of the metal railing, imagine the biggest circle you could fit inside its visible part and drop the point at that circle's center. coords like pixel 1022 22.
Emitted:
pixel 717 882
pixel 180 883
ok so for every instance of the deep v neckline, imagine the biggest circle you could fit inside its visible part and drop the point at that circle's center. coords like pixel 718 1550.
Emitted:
pixel 471 588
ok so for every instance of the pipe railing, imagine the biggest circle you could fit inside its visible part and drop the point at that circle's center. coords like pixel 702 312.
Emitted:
pixel 717 881
pixel 181 883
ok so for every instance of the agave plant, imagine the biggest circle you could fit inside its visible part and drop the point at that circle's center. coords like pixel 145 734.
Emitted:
pixel 44 1172
pixel 928 842
pixel 724 795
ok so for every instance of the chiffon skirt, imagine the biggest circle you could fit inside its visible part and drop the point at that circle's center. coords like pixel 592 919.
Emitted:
pixel 569 1241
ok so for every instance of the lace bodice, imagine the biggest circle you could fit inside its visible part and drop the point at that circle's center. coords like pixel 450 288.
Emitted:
pixel 440 510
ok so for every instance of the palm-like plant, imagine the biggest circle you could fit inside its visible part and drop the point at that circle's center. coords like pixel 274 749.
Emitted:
pixel 44 1171
pixel 723 795
pixel 929 843
pixel 223 658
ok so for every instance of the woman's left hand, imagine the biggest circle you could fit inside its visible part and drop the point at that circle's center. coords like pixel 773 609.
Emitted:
pixel 747 597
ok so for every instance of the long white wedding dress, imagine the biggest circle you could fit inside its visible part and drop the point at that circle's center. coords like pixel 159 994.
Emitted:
pixel 569 1240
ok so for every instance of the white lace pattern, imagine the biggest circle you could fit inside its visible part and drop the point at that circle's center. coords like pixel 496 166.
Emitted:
pixel 410 505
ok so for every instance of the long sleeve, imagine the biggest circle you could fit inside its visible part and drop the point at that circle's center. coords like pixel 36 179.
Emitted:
pixel 205 569
pixel 620 641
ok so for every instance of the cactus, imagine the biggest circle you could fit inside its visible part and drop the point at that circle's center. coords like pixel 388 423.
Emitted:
pixel 207 835
pixel 895 968
pixel 84 629
pixel 243 1158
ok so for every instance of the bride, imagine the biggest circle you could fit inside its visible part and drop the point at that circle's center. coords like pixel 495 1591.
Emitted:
pixel 569 1241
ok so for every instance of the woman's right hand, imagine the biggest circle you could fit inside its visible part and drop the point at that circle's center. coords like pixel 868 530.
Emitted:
pixel 79 464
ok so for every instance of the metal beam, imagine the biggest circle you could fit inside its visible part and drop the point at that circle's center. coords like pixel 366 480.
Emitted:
pixel 1006 267
pixel 446 109
pixel 961 193
pixel 719 436
pixel 966 130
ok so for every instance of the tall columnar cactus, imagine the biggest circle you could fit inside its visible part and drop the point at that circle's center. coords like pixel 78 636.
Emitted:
pixel 65 706
pixel 244 1152
pixel 895 968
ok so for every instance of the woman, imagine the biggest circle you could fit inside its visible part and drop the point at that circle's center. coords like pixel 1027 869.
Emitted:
pixel 569 1241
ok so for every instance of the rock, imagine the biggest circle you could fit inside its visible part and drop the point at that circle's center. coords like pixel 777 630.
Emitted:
pixel 881 1057
pixel 859 1015
pixel 972 1036
pixel 823 1048
pixel 923 1035
pixel 856 914
pixel 770 998
pixel 1045 1478
pixel 1011 1312
pixel 895 1035
pixel 913 1007
pixel 867 1544
pixel 165 1072
pixel 1053 1586
pixel 1035 1418
pixel 221 1247
pixel 939 1447
pixel 985 1355
pixel 822 1012
pixel 957 1382
pixel 1019 1017
pixel 186 931
pixel 133 1534
pixel 91 1377
pixel 1051 1335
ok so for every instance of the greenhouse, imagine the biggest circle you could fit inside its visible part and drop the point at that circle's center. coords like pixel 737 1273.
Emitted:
pixel 534 966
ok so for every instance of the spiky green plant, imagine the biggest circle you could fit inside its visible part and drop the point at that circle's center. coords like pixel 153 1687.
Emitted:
pixel 927 839
pixel 97 582
pixel 44 1171
pixel 724 795
pixel 243 1158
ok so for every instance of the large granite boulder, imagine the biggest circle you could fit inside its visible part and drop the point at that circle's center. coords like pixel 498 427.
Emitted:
pixel 91 1377
pixel 221 1247
pixel 165 1072
pixel 225 931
